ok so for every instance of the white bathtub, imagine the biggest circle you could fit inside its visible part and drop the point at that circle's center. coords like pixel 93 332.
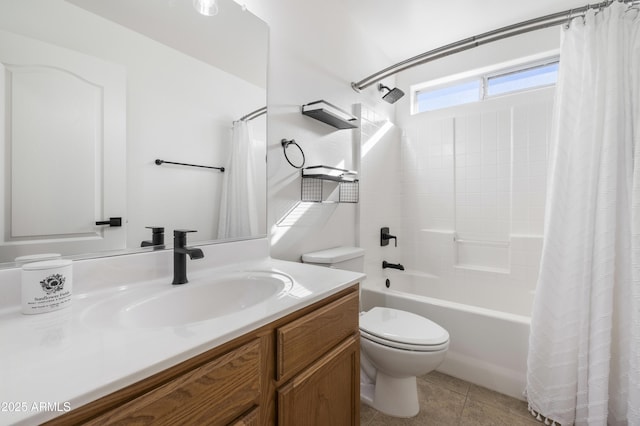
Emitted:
pixel 488 324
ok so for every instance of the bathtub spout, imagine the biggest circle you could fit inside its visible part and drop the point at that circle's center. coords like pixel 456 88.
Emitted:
pixel 386 264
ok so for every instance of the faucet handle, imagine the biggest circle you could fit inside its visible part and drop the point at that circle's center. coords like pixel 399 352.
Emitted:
pixel 183 231
pixel 157 237
pixel 180 237
pixel 385 236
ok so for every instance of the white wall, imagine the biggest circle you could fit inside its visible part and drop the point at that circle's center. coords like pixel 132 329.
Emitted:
pixel 381 192
pixel 478 173
pixel 307 63
pixel 529 45
pixel 409 180
pixel 316 51
pixel 478 176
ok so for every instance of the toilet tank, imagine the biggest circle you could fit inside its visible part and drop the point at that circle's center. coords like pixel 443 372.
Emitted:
pixel 347 258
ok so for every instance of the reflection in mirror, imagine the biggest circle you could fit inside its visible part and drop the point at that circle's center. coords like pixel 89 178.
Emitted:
pixel 93 92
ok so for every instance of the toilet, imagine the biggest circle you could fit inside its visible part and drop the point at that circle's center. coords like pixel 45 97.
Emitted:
pixel 395 346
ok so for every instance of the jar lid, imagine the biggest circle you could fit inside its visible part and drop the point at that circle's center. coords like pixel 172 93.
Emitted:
pixel 47 264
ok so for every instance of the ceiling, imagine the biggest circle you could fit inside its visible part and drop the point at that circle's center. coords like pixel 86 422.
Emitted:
pixel 405 28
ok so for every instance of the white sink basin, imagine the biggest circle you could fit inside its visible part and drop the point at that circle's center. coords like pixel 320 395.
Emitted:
pixel 165 305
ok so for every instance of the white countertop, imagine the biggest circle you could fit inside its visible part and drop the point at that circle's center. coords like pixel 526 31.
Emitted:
pixel 53 362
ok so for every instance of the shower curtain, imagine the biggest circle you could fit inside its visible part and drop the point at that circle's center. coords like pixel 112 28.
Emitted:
pixel 584 348
pixel 238 207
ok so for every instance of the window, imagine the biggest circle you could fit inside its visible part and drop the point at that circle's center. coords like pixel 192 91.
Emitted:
pixel 523 79
pixel 484 86
pixel 444 97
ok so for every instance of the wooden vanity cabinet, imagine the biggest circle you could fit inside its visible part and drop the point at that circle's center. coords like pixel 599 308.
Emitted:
pixel 302 369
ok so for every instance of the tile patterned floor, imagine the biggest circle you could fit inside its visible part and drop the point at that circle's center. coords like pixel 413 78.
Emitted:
pixel 447 401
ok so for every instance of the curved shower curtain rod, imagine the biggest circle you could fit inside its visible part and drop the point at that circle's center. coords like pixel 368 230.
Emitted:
pixel 254 114
pixel 469 43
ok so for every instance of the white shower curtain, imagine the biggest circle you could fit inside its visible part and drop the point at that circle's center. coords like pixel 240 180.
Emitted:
pixel 583 364
pixel 238 206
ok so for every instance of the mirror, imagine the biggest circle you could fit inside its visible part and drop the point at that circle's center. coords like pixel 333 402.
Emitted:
pixel 93 92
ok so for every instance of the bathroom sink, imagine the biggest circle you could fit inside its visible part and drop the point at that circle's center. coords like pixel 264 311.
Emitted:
pixel 165 305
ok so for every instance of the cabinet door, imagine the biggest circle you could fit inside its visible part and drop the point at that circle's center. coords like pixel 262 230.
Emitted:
pixel 327 392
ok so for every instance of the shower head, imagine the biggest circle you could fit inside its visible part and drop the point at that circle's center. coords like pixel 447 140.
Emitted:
pixel 392 95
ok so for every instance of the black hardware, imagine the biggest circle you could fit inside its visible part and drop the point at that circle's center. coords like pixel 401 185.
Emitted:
pixel 157 237
pixel 387 283
pixel 285 144
pixel 316 172
pixel 386 264
pixel 113 221
pixel 313 178
pixel 330 114
pixel 385 237
pixel 160 162
pixel 180 252
pixel 392 95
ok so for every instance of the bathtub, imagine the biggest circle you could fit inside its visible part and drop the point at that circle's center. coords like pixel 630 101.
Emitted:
pixel 488 324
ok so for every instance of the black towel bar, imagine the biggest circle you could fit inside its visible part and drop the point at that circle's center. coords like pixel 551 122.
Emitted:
pixel 159 162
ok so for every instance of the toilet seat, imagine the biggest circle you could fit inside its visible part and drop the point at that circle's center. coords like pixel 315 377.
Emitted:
pixel 404 346
pixel 402 330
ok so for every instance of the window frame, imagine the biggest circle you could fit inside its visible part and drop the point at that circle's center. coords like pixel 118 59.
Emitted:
pixel 483 77
pixel 515 70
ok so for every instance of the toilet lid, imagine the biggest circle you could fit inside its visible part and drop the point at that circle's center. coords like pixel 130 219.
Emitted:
pixel 402 327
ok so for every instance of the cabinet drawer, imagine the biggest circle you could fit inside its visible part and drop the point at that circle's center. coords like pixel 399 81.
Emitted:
pixel 252 418
pixel 215 393
pixel 302 341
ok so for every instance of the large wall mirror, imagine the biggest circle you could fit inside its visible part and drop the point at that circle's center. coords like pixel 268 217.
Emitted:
pixel 93 92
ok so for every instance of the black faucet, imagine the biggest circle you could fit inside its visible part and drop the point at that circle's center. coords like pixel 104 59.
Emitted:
pixel 386 264
pixel 180 252
pixel 157 238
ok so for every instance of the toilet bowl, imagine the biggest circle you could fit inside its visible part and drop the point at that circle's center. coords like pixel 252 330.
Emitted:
pixel 395 346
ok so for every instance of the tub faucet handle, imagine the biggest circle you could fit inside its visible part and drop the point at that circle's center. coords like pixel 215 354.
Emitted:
pixel 385 237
